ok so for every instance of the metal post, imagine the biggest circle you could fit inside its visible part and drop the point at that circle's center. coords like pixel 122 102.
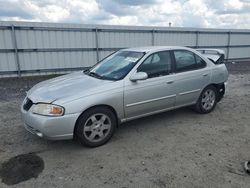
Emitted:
pixel 228 44
pixel 153 37
pixel 13 35
pixel 97 44
pixel 197 39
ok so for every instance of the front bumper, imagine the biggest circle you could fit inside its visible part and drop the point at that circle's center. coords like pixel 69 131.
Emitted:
pixel 51 128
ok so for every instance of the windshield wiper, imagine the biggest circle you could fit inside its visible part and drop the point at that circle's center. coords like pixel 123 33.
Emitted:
pixel 85 71
pixel 93 74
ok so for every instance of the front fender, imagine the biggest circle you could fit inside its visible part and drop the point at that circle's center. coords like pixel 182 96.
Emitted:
pixel 113 99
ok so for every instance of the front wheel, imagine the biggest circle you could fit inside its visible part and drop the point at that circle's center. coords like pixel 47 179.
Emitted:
pixel 96 126
pixel 207 100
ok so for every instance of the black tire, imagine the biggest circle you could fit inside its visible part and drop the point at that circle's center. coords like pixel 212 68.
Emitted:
pixel 81 123
pixel 199 106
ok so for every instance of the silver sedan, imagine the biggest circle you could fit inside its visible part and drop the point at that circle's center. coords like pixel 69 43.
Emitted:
pixel 128 84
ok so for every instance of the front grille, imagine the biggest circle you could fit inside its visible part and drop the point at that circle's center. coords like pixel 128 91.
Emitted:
pixel 27 105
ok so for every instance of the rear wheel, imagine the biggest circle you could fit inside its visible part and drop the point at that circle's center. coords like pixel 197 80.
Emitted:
pixel 207 100
pixel 96 126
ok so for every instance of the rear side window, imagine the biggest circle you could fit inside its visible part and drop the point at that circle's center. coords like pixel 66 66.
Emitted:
pixel 186 60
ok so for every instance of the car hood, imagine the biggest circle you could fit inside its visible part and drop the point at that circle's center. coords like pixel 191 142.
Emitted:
pixel 65 86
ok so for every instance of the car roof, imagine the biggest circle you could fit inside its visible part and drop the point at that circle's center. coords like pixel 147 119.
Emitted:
pixel 154 48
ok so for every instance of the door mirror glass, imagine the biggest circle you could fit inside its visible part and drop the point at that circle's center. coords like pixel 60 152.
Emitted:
pixel 139 76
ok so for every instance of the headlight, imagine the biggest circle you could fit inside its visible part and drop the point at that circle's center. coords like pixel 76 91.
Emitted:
pixel 48 109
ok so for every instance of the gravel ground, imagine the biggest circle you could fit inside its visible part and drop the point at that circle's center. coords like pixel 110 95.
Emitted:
pixel 173 149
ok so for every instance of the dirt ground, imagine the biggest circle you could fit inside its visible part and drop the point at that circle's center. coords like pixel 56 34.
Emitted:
pixel 174 149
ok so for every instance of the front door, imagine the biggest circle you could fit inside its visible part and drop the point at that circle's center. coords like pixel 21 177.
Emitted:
pixel 154 94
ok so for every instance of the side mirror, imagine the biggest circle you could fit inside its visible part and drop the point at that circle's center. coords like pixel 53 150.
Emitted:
pixel 139 76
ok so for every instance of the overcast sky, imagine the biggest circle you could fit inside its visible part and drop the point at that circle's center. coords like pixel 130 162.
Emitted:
pixel 181 13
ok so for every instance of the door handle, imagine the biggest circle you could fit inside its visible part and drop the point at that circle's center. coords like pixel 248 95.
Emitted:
pixel 170 81
pixel 206 74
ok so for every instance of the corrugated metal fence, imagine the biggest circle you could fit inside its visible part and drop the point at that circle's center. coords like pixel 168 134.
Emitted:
pixel 28 48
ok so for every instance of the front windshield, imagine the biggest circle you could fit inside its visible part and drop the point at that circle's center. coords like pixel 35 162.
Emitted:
pixel 117 65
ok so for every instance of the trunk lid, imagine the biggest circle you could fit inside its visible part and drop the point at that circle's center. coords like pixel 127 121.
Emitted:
pixel 217 56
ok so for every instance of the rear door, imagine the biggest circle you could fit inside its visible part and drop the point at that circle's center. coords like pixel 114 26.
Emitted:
pixel 192 75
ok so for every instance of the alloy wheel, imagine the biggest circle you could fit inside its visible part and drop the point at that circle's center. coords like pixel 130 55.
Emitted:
pixel 208 99
pixel 97 127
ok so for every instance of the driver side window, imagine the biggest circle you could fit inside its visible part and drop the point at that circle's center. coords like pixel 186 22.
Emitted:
pixel 157 64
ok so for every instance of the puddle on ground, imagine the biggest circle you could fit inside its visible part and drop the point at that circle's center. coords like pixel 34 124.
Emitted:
pixel 21 168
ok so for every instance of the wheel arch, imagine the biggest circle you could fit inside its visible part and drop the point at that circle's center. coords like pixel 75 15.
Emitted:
pixel 220 87
pixel 95 106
